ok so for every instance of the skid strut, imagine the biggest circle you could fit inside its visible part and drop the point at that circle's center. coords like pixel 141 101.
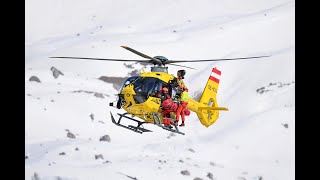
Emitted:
pixel 157 122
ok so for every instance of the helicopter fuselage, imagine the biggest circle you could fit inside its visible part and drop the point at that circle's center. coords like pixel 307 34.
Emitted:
pixel 139 98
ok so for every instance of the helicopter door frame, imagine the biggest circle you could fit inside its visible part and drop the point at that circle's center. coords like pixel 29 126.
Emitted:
pixel 173 91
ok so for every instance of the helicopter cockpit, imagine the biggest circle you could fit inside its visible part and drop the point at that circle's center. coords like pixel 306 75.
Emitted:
pixel 145 87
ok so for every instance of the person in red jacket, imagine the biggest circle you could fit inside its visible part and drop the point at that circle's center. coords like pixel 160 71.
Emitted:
pixel 183 100
pixel 164 94
pixel 182 108
pixel 166 106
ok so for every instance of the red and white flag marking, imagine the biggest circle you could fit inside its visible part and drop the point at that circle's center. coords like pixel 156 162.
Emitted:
pixel 215 75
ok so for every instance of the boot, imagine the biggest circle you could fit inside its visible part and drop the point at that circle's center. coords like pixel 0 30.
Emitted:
pixel 176 122
pixel 182 124
pixel 166 122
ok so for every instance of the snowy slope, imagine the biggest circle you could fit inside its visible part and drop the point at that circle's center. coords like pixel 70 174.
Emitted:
pixel 255 139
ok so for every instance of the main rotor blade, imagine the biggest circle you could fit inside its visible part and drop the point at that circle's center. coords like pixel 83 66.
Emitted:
pixel 155 61
pixel 102 59
pixel 181 66
pixel 136 52
pixel 228 59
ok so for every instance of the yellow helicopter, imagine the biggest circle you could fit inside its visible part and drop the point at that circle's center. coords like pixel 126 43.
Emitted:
pixel 138 95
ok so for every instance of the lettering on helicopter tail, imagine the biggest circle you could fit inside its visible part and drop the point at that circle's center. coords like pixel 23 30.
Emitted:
pixel 212 88
pixel 215 75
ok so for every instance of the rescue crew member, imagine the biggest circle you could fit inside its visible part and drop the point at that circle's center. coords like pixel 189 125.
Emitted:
pixel 180 75
pixel 183 100
pixel 164 94
pixel 167 106
pixel 182 108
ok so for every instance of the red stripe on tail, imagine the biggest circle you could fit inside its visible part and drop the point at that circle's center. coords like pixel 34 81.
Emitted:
pixel 215 70
pixel 214 79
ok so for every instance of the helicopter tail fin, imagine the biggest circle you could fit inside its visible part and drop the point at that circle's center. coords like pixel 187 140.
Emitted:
pixel 208 110
pixel 210 91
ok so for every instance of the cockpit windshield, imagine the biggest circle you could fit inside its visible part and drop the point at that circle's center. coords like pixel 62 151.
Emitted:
pixel 127 82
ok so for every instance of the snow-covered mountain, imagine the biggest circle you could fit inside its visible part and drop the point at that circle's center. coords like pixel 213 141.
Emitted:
pixel 255 139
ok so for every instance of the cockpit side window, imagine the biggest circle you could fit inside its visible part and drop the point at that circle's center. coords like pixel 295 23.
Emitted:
pixel 145 87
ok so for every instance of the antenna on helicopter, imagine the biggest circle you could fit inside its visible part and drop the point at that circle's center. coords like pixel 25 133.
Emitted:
pixel 159 62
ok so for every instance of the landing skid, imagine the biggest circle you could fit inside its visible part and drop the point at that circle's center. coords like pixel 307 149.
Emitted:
pixel 141 130
pixel 136 129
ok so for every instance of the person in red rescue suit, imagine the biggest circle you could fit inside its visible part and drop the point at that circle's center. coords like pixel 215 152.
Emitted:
pixel 167 106
pixel 183 100
pixel 164 95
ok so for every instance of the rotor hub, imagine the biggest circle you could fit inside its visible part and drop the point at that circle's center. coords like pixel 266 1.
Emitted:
pixel 161 58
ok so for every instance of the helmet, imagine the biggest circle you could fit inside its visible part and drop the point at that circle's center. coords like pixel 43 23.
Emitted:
pixel 182 73
pixel 165 90
pixel 167 104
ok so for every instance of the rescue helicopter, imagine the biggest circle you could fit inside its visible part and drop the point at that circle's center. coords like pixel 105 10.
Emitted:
pixel 138 95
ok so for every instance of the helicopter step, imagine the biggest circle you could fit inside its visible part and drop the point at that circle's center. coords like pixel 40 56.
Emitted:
pixel 157 122
pixel 136 129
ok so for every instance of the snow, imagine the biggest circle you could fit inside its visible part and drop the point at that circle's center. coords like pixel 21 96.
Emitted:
pixel 248 141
